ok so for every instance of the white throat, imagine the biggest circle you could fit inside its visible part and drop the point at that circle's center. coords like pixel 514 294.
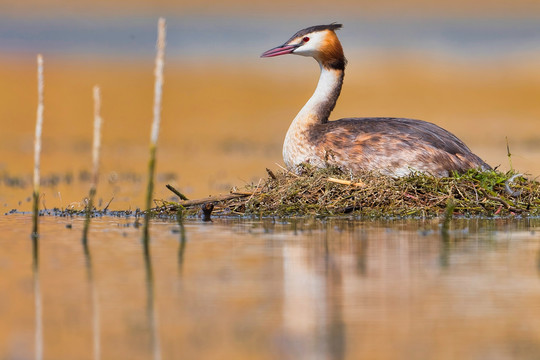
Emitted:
pixel 315 111
pixel 324 98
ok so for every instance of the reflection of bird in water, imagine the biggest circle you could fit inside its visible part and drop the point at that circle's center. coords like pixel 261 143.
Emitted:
pixel 391 146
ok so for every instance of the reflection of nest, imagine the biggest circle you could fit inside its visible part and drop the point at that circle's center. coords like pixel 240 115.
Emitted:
pixel 330 192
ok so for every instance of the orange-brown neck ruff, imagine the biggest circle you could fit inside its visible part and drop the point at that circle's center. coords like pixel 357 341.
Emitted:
pixel 330 53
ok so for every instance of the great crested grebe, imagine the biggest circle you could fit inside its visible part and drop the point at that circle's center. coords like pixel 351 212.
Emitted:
pixel 391 146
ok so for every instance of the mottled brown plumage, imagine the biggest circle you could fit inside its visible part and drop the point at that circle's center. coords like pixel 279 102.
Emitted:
pixel 391 146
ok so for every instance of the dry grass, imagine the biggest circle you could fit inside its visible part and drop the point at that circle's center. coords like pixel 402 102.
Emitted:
pixel 372 195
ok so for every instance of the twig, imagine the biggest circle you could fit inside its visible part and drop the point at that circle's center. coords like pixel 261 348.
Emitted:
pixel 254 191
pixel 109 203
pixel 246 193
pixel 213 199
pixel 271 174
pixel 345 182
pixel 176 192
pixel 287 170
pixel 506 205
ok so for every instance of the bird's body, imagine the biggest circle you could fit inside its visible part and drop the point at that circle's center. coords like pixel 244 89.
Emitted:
pixel 391 146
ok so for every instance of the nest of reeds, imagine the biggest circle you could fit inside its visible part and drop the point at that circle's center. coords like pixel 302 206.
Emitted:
pixel 331 192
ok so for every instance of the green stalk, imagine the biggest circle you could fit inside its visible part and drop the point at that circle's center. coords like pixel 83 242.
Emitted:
pixel 89 207
pixel 149 191
pixel 509 154
pixel 35 214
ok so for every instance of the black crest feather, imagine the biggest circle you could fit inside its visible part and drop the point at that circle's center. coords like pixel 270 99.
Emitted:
pixel 332 27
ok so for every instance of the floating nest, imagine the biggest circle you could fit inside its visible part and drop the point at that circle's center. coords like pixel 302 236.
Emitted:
pixel 331 192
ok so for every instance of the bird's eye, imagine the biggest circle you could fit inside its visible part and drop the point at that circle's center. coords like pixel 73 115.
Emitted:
pixel 305 39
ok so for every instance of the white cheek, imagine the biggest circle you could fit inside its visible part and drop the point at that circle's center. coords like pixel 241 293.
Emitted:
pixel 306 50
pixel 303 52
pixel 311 47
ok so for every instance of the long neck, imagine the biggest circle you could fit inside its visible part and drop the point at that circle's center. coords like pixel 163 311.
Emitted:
pixel 296 148
pixel 322 102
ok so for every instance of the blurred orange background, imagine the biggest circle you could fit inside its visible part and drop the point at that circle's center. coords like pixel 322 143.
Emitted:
pixel 226 111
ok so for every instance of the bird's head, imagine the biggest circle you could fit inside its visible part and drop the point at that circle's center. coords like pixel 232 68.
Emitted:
pixel 319 42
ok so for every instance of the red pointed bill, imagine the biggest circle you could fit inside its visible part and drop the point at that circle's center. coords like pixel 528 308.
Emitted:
pixel 280 50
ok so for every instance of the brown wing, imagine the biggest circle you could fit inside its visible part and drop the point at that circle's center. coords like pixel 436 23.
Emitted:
pixel 396 141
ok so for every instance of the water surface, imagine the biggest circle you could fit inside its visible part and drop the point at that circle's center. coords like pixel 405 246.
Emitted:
pixel 270 289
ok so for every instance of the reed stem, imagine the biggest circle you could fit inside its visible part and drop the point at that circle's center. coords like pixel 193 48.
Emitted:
pixel 37 148
pixel 96 146
pixel 509 154
pixel 38 303
pixel 158 86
